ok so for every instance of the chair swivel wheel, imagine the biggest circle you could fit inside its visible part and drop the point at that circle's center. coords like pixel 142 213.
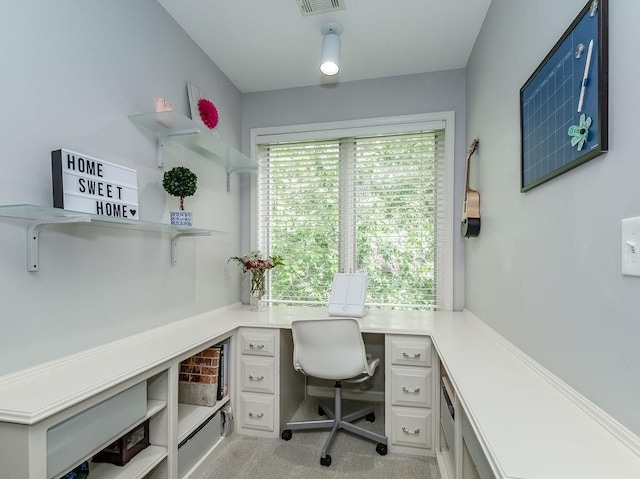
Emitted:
pixel 371 417
pixel 286 434
pixel 325 461
pixel 320 411
pixel 381 449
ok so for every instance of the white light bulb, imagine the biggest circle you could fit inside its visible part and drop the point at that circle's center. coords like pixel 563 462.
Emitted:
pixel 330 53
pixel 329 68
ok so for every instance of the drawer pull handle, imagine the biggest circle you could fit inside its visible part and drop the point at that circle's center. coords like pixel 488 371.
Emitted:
pixel 409 431
pixel 256 346
pixel 411 356
pixel 260 415
pixel 255 378
pixel 407 390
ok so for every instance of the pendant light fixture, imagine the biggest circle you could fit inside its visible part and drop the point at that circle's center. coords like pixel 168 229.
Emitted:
pixel 330 56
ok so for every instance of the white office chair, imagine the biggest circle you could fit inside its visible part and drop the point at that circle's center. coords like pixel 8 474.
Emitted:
pixel 333 349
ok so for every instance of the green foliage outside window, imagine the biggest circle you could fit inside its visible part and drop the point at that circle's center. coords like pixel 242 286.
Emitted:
pixel 395 198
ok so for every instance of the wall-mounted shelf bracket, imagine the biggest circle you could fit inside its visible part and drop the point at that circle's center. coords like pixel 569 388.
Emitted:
pixel 33 236
pixel 196 138
pixel 164 136
pixel 231 171
pixel 174 242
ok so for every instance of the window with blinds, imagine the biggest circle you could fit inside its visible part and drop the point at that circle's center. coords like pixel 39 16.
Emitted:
pixel 371 204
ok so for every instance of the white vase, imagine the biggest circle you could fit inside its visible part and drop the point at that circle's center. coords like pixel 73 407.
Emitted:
pixel 181 218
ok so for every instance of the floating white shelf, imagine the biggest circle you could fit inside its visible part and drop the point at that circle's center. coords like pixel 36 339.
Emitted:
pixel 43 215
pixel 186 132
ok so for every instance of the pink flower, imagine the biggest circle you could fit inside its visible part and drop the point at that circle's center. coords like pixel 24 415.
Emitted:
pixel 208 113
pixel 253 261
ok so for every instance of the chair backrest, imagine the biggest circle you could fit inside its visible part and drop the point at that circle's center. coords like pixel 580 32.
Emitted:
pixel 329 348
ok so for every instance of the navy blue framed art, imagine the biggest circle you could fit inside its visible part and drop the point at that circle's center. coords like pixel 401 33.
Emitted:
pixel 564 104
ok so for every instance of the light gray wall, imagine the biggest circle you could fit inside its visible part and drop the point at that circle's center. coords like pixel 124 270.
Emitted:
pixel 72 71
pixel 545 270
pixel 395 96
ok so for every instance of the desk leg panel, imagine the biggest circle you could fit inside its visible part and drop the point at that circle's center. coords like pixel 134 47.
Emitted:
pixel 14 453
pixel 292 383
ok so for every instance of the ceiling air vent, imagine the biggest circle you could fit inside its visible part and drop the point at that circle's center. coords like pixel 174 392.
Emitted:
pixel 314 7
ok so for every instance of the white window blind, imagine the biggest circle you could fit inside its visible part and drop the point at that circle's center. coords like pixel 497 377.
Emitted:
pixel 371 204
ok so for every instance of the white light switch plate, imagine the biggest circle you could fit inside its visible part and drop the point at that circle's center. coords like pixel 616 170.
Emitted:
pixel 631 246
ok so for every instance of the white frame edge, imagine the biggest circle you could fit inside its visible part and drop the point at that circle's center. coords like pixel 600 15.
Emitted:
pixel 382 124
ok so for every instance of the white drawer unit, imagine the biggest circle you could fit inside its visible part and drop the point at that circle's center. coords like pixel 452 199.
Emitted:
pixel 411 351
pixel 411 387
pixel 257 411
pixel 409 394
pixel 258 381
pixel 259 342
pixel 411 427
pixel 257 374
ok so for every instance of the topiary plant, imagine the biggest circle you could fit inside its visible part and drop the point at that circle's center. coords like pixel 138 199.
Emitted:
pixel 181 182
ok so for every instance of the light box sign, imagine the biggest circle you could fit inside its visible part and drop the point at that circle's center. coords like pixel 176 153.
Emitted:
pixel 89 185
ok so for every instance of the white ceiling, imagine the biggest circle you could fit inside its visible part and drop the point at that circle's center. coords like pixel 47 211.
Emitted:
pixel 268 44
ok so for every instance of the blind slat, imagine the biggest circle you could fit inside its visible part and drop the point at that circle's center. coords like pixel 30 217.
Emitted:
pixel 372 204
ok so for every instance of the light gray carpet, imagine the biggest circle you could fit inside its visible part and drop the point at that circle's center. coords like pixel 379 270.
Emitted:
pixel 245 457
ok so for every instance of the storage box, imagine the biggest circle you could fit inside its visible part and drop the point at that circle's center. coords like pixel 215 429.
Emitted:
pixel 124 449
pixel 198 379
pixel 198 445
pixel 85 432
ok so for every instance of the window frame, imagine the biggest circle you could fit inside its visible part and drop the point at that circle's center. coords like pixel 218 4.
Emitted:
pixel 370 126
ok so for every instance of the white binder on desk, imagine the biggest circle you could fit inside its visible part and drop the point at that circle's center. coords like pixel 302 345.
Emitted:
pixel 348 294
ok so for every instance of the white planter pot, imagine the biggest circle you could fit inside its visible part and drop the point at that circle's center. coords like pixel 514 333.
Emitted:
pixel 181 218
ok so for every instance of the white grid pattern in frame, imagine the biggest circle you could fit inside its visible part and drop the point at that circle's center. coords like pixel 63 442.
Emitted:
pixel 547 117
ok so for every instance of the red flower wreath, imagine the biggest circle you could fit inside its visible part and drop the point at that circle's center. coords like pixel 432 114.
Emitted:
pixel 208 113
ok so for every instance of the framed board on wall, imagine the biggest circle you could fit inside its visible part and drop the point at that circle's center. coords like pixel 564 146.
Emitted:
pixel 564 104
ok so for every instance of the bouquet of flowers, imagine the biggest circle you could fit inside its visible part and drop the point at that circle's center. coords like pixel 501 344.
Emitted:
pixel 253 261
pixel 257 265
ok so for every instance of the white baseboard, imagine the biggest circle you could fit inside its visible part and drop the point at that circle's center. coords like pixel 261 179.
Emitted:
pixel 319 391
pixel 623 434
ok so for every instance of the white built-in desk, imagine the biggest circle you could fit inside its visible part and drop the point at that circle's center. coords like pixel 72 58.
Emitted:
pixel 528 424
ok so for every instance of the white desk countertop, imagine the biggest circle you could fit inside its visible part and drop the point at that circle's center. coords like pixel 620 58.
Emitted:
pixel 527 426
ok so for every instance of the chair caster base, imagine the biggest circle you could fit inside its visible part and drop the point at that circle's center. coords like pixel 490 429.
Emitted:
pixel 325 461
pixel 381 449
pixel 286 434
pixel 371 417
